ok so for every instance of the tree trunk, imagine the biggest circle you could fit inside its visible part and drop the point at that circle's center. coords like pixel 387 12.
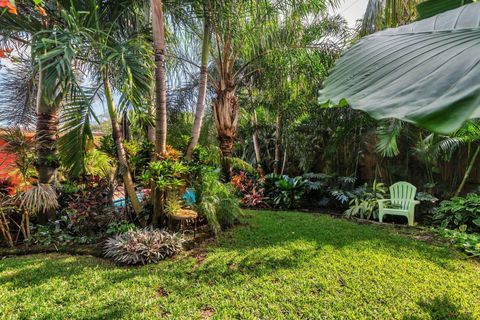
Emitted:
pixel 160 77
pixel 121 154
pixel 46 143
pixel 226 111
pixel 278 139
pixel 256 145
pixel 161 101
pixel 46 136
pixel 46 139
pixel 202 91
pixel 467 173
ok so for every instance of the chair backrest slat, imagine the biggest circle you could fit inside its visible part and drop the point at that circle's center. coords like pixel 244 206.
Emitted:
pixel 402 193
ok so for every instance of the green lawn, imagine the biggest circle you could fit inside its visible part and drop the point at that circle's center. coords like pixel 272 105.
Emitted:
pixel 277 265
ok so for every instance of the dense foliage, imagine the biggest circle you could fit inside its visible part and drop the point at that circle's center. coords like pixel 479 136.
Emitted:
pixel 459 212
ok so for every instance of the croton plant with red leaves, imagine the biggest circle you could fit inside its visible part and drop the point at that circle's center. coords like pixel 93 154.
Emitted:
pixel 249 190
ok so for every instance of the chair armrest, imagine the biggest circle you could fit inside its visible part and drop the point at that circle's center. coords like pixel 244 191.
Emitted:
pixel 381 203
pixel 383 200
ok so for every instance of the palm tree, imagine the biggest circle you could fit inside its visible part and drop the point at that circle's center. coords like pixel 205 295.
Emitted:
pixel 468 135
pixel 115 55
pixel 158 28
pixel 21 31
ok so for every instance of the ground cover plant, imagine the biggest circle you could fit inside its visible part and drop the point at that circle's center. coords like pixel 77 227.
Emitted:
pixel 277 265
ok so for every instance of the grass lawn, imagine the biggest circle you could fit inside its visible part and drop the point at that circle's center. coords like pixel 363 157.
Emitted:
pixel 278 265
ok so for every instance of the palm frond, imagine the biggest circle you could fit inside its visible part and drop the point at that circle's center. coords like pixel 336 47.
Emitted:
pixel 387 137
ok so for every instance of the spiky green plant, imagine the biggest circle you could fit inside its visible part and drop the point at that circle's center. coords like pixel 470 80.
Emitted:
pixel 218 203
pixel 143 246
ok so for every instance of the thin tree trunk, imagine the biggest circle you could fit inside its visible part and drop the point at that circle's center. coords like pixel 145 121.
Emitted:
pixel 284 160
pixel 278 140
pixel 202 91
pixel 226 110
pixel 121 154
pixel 256 145
pixel 160 76
pixel 467 173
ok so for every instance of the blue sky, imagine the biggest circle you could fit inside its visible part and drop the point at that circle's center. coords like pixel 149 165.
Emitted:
pixel 352 10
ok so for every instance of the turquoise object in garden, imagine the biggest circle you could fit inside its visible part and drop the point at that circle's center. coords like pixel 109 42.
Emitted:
pixel 189 197
pixel 401 203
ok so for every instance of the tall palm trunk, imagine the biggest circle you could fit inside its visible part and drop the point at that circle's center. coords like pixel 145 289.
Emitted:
pixel 202 91
pixel 121 154
pixel 160 76
pixel 226 111
pixel 160 103
pixel 467 173
pixel 278 139
pixel 256 145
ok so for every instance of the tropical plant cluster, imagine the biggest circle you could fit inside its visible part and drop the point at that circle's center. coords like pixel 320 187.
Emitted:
pixel 260 104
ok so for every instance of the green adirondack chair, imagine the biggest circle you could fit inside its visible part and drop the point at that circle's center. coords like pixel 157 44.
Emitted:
pixel 401 203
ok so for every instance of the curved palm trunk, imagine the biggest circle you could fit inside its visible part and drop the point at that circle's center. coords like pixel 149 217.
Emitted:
pixel 121 154
pixel 226 111
pixel 160 77
pixel 202 92
pixel 467 173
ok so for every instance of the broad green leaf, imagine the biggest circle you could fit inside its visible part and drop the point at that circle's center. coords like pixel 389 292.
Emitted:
pixel 426 73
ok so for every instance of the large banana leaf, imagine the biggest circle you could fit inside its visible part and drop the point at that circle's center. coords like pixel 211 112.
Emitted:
pixel 426 73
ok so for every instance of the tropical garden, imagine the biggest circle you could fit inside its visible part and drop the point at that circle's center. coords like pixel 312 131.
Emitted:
pixel 254 159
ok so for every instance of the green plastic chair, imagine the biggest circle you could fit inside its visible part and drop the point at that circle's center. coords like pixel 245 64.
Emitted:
pixel 401 203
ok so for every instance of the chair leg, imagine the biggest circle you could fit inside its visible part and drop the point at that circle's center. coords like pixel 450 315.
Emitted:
pixel 410 219
pixel 380 217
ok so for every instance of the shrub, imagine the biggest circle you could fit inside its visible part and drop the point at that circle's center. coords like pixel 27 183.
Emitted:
pixel 87 208
pixel 459 212
pixel 291 191
pixel 249 190
pixel 119 227
pixel 57 234
pixel 218 202
pixel 364 204
pixel 330 190
pixel 470 243
pixel 143 246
